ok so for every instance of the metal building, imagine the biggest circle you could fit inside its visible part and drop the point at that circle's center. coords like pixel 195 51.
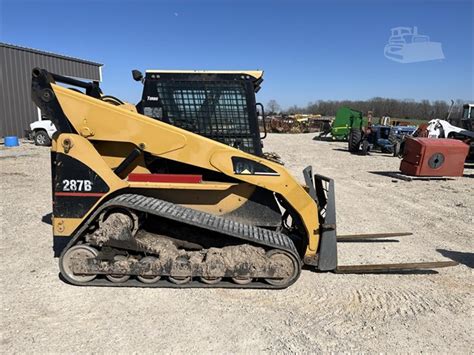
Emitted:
pixel 17 110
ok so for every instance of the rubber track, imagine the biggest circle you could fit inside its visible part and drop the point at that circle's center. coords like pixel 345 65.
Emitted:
pixel 164 209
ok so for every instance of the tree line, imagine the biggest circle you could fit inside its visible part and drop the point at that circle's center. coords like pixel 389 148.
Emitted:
pixel 423 110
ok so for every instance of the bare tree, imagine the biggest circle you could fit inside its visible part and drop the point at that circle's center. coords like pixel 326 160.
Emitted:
pixel 273 107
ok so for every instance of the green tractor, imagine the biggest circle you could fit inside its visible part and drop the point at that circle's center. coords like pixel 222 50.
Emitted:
pixel 346 118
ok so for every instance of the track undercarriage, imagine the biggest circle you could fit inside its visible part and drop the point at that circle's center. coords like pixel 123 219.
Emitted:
pixel 132 241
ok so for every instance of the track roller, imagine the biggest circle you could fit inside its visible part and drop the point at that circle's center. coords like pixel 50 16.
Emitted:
pixel 210 280
pixel 179 280
pixel 242 280
pixel 148 279
pixel 118 278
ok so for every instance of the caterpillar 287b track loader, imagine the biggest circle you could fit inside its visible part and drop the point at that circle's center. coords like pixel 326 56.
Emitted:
pixel 142 202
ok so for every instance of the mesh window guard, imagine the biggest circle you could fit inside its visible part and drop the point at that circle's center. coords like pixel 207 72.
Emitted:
pixel 218 110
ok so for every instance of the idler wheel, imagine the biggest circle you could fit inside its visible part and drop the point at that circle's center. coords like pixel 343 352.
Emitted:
pixel 82 252
pixel 284 262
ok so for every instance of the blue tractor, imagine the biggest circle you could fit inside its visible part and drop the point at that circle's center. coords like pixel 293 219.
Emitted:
pixel 384 138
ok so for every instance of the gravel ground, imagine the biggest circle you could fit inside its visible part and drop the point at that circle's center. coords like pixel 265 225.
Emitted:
pixel 320 312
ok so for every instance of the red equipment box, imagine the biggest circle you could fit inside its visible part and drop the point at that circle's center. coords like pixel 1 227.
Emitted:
pixel 434 157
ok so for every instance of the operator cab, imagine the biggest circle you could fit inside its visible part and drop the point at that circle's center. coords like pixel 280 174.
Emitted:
pixel 467 117
pixel 219 105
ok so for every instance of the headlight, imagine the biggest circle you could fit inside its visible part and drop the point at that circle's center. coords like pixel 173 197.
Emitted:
pixel 243 166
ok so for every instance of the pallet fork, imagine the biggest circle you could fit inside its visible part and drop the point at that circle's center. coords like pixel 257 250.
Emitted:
pixel 321 189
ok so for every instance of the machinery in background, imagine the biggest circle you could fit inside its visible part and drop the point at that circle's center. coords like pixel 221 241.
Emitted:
pixel 397 135
pixel 399 146
pixel 346 119
pixel 41 132
pixel 370 138
pixel 467 119
pixel 458 128
pixel 142 202
pixel 443 129
pixel 434 157
pixel 386 139
pixel 299 123
pixel 283 124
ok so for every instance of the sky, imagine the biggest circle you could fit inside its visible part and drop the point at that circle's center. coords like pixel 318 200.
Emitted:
pixel 309 50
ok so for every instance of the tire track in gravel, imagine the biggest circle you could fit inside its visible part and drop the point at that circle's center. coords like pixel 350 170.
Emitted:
pixel 429 209
pixel 345 310
pixel 365 306
pixel 402 302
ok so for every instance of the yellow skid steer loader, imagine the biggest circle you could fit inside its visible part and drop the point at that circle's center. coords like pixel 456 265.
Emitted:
pixel 145 201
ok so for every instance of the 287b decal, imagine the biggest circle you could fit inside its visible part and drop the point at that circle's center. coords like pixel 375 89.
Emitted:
pixel 77 185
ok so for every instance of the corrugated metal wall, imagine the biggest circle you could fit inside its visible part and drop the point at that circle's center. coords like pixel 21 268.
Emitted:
pixel 17 110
